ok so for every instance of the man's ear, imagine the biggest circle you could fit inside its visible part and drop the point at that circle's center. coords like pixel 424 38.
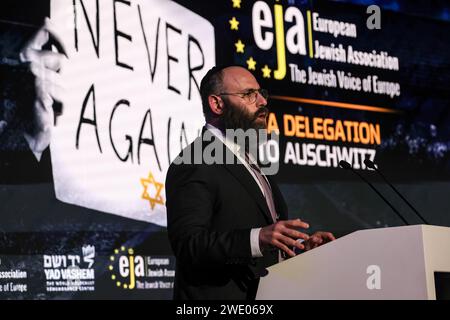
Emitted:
pixel 216 104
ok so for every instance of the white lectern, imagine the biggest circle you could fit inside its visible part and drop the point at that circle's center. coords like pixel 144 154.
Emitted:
pixel 389 263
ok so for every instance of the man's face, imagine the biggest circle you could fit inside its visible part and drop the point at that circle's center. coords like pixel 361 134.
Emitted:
pixel 240 111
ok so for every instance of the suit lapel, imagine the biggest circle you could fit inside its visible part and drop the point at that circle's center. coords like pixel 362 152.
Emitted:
pixel 246 179
pixel 240 172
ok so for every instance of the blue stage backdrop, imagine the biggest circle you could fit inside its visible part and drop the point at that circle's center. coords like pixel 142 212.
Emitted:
pixel 87 217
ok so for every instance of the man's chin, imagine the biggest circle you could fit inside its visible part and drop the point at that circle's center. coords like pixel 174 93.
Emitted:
pixel 260 124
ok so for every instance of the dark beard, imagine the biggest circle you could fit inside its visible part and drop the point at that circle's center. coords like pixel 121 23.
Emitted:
pixel 237 118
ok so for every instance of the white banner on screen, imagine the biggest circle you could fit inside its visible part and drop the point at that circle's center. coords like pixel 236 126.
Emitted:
pixel 131 101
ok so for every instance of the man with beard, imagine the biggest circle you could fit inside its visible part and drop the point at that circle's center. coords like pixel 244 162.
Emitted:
pixel 227 222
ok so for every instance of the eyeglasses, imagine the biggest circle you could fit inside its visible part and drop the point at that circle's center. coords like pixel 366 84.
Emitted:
pixel 250 96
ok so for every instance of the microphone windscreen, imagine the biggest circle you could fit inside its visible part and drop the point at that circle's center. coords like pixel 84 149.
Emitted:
pixel 344 164
pixel 369 164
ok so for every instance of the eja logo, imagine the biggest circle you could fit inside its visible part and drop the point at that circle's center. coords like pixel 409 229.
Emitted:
pixel 131 271
pixel 268 31
pixel 125 266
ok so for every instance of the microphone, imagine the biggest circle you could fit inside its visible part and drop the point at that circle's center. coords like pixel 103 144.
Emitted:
pixel 347 166
pixel 371 165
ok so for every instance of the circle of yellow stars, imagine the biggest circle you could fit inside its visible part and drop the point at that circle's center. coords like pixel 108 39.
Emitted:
pixel 112 259
pixel 157 199
pixel 240 46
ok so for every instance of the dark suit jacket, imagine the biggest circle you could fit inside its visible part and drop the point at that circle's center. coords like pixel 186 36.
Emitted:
pixel 211 210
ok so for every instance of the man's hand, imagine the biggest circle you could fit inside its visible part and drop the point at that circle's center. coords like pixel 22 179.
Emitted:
pixel 283 235
pixel 45 66
pixel 317 239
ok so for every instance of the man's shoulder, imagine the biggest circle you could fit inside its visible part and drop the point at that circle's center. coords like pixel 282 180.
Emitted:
pixel 185 158
pixel 190 161
pixel 206 149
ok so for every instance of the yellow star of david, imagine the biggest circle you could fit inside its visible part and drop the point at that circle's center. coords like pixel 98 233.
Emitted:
pixel 157 199
pixel 251 64
pixel 239 46
pixel 234 24
pixel 236 3
pixel 266 71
